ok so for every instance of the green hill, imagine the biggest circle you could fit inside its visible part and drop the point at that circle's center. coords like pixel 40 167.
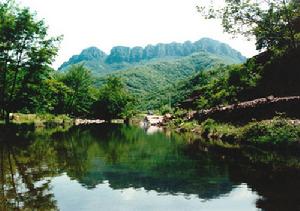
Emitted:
pixel 154 83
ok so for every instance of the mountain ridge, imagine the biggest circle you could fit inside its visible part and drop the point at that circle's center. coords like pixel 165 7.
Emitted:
pixel 122 57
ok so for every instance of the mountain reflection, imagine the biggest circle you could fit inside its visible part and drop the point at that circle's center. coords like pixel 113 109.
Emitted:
pixel 127 157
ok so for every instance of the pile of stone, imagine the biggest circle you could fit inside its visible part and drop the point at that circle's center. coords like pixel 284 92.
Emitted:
pixel 262 108
pixel 88 121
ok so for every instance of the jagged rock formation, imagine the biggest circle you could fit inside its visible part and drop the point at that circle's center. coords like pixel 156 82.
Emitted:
pixel 121 57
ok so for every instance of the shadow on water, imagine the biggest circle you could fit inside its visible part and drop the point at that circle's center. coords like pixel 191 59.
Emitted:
pixel 127 157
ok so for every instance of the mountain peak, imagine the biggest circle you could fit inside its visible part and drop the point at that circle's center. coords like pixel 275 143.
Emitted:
pixel 93 53
pixel 86 55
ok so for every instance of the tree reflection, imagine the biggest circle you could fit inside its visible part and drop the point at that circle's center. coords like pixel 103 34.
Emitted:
pixel 277 184
pixel 24 172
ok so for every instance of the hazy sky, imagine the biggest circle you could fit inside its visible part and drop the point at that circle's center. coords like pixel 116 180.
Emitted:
pixel 108 23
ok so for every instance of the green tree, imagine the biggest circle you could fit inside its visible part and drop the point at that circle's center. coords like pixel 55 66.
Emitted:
pixel 273 23
pixel 114 101
pixel 79 80
pixel 54 96
pixel 26 51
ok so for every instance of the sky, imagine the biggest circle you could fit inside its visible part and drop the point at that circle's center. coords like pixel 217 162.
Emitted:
pixel 109 23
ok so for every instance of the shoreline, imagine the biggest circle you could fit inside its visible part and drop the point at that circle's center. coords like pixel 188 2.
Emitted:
pixel 275 133
pixel 279 132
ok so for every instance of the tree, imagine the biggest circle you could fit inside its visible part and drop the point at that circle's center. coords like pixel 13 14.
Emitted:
pixel 273 23
pixel 114 101
pixel 79 80
pixel 54 96
pixel 26 51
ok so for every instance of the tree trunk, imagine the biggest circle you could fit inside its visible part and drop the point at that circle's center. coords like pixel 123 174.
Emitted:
pixel 127 121
pixel 2 179
pixel 3 90
pixel 6 118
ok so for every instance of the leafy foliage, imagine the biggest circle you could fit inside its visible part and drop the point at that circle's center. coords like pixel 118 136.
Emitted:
pixel 272 23
pixel 220 85
pixel 114 101
pixel 79 80
pixel 26 51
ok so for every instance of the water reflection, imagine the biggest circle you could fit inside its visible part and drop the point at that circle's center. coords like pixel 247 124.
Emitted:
pixel 103 197
pixel 94 166
pixel 127 157
pixel 24 169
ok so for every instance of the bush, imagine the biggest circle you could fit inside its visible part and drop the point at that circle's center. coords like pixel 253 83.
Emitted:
pixel 166 109
pixel 276 131
pixel 212 129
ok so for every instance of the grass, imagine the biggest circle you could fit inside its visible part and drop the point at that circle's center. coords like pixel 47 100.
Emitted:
pixel 277 131
pixel 41 120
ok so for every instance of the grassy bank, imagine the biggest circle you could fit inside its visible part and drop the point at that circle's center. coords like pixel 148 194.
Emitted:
pixel 41 120
pixel 275 132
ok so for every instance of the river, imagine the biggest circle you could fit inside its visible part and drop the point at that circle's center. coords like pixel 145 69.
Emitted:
pixel 119 167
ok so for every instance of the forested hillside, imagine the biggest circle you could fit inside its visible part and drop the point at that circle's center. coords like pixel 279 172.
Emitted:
pixel 155 82
pixel 261 76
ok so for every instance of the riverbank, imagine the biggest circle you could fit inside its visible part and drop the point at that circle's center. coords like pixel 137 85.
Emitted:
pixel 276 132
pixel 49 120
pixel 40 120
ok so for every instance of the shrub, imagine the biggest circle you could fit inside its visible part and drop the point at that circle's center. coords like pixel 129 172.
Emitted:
pixel 276 131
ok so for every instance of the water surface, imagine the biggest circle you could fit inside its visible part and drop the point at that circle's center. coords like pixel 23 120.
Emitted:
pixel 118 167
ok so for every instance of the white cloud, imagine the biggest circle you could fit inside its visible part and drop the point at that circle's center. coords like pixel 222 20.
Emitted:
pixel 107 23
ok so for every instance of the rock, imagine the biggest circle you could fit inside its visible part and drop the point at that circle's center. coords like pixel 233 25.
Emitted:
pixel 153 119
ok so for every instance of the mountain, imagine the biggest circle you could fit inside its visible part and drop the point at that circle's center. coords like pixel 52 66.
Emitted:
pixel 122 57
pixel 151 73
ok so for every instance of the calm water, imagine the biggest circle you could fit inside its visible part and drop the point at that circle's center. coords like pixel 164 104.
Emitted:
pixel 117 167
